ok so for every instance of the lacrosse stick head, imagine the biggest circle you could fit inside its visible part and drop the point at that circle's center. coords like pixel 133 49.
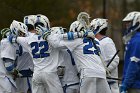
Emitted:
pixel 83 18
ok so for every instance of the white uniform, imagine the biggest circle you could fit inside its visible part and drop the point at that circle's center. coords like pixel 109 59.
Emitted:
pixel 108 52
pixel 45 59
pixel 7 84
pixel 93 74
pixel 70 80
pixel 24 66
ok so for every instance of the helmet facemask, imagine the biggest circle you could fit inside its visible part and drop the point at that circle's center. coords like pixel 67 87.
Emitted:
pixel 21 34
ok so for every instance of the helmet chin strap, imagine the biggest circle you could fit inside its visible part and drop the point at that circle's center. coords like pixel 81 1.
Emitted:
pixel 136 27
pixel 96 31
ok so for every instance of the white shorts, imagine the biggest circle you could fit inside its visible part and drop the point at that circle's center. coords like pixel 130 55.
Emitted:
pixel 94 85
pixel 23 84
pixel 114 86
pixel 44 82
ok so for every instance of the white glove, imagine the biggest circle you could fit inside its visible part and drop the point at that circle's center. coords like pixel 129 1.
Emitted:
pixel 89 34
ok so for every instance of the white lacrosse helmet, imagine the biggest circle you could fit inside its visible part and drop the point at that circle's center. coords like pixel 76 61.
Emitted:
pixel 132 24
pixel 30 19
pixel 98 25
pixel 76 26
pixel 57 30
pixel 18 27
pixel 42 20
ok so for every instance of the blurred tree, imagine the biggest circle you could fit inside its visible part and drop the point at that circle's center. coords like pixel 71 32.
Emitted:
pixel 64 12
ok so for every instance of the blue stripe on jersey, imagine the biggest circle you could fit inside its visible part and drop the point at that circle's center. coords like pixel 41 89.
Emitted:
pixel 20 50
pixel 26 20
pixel 96 30
pixel 39 37
pixel 11 82
pixel 72 59
pixel 29 85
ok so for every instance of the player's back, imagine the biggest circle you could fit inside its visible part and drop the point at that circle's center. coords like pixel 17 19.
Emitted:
pixel 108 47
pixel 45 58
pixel 87 57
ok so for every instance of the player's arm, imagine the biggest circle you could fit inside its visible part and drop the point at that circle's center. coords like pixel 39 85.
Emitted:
pixel 56 41
pixel 44 32
pixel 73 35
pixel 23 41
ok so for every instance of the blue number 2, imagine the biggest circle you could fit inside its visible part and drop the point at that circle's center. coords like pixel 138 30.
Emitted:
pixel 39 49
pixel 90 48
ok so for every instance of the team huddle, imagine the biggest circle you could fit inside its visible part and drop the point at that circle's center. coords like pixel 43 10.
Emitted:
pixel 37 58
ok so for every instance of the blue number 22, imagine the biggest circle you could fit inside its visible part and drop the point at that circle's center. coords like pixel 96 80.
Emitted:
pixel 90 48
pixel 39 49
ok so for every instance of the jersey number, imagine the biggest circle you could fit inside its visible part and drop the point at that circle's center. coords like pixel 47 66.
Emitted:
pixel 90 48
pixel 39 49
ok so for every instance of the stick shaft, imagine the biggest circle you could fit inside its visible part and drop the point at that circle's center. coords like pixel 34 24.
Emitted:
pixel 114 78
pixel 113 58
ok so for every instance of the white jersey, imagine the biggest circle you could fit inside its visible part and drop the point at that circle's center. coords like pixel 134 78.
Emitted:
pixel 3 71
pixel 70 76
pixel 45 58
pixel 8 50
pixel 108 52
pixel 85 55
pixel 7 84
pixel 24 60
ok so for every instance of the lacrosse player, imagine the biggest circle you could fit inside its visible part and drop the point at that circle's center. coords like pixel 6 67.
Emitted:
pixel 45 59
pixel 25 62
pixel 131 37
pixel 99 27
pixel 67 69
pixel 7 64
